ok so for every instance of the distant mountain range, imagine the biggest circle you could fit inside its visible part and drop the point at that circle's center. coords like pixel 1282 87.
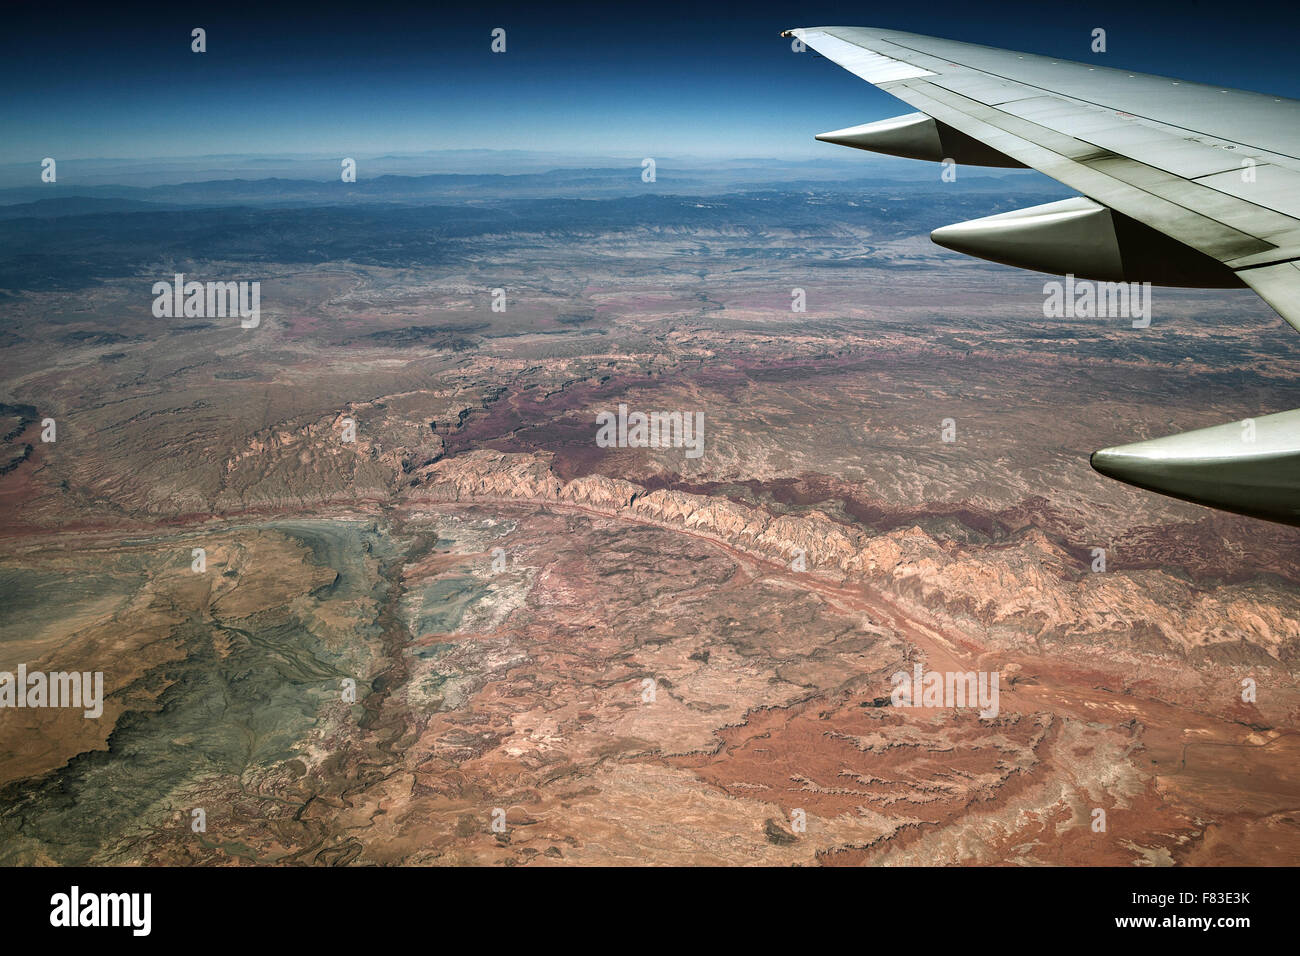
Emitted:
pixel 60 199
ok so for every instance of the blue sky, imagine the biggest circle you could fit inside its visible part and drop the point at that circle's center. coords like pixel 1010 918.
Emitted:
pixel 641 79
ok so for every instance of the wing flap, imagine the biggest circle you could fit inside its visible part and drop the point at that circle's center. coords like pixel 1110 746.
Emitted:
pixel 1275 186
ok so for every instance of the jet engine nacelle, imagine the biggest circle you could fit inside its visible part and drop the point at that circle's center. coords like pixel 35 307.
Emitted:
pixel 1251 467
pixel 1091 241
pixel 917 136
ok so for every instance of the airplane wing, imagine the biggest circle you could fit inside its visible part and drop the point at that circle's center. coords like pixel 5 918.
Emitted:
pixel 1182 184
pixel 1215 169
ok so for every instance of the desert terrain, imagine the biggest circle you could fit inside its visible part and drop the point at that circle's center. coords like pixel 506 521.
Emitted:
pixel 439 623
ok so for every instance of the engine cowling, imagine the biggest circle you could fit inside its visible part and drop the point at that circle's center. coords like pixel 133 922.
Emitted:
pixel 1251 467
pixel 1086 239
pixel 917 136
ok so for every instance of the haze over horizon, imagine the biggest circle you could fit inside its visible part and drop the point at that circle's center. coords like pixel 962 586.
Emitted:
pixel 675 79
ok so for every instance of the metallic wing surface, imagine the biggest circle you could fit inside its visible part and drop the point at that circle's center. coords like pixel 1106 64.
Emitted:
pixel 1181 184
